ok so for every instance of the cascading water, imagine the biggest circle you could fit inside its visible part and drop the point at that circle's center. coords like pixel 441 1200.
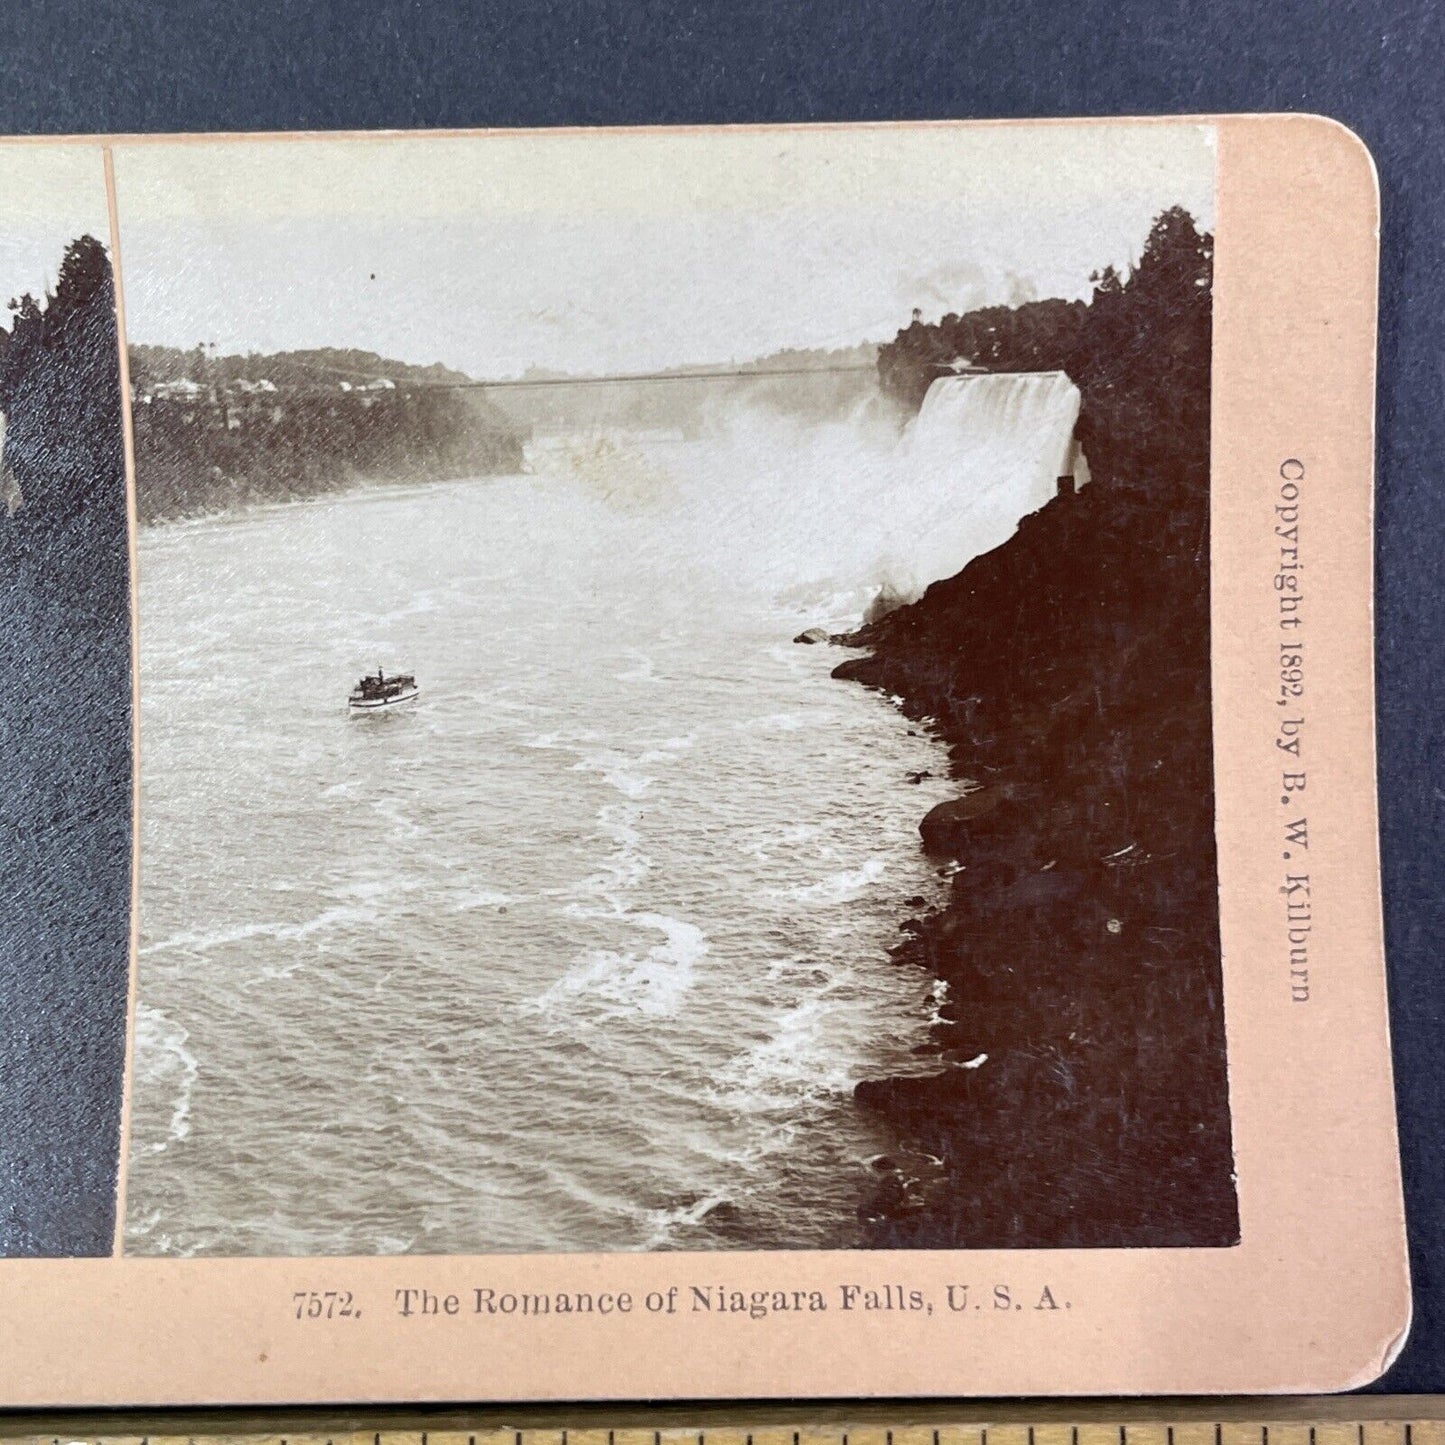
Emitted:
pixel 984 451
pixel 842 509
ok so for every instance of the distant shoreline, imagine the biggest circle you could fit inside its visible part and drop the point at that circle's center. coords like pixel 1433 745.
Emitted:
pixel 209 453
pixel 351 489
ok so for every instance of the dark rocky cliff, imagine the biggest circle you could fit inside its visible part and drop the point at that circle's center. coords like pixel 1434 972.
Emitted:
pixel 1081 1095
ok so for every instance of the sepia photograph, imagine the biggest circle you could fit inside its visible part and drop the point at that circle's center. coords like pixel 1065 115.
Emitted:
pixel 674 693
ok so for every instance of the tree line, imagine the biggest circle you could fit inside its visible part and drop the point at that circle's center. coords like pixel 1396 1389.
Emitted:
pixel 317 426
pixel 1138 351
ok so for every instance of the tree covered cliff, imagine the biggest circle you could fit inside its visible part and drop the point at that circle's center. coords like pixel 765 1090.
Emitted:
pixel 1069 673
pixel 215 432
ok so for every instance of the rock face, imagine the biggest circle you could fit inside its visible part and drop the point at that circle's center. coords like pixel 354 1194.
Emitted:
pixel 945 828
pixel 901 1185
pixel 813 635
pixel 1068 670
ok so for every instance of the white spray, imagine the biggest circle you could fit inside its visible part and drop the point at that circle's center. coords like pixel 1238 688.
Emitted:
pixel 829 513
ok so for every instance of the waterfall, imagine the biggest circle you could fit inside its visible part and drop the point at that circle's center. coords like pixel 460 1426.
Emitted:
pixel 984 451
pixel 826 513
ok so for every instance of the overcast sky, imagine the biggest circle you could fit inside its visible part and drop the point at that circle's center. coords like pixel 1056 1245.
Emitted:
pixel 626 251
pixel 49 195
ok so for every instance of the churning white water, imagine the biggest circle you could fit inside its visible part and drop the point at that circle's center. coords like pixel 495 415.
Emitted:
pixel 852 502
pixel 586 950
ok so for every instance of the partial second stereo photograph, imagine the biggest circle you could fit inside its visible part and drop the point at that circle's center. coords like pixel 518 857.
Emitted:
pixel 651 692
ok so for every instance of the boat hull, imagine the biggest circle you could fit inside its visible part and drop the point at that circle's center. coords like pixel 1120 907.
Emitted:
pixel 381 704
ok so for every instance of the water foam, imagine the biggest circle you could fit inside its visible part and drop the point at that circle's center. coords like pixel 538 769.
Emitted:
pixel 841 887
pixel 664 1225
pixel 481 898
pixel 619 984
pixel 165 1066
pixel 325 921
pixel 626 865
pixel 801 1061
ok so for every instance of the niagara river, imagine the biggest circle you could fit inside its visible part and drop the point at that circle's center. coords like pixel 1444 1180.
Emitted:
pixel 586 948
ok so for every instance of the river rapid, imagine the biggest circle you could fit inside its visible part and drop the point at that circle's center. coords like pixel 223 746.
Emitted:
pixel 585 949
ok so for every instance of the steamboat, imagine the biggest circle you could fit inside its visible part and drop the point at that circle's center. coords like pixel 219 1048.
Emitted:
pixel 376 691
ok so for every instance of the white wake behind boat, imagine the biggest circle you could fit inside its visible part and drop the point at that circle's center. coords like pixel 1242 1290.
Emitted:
pixel 376 691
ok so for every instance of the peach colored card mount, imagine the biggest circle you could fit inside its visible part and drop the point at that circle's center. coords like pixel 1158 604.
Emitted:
pixel 692 763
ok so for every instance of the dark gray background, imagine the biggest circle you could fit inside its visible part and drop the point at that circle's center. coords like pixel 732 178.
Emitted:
pixel 179 65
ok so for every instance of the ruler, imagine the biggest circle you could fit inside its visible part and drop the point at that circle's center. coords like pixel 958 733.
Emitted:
pixel 1332 1420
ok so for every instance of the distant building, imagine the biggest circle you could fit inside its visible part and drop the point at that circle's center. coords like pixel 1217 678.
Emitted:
pixel 182 390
